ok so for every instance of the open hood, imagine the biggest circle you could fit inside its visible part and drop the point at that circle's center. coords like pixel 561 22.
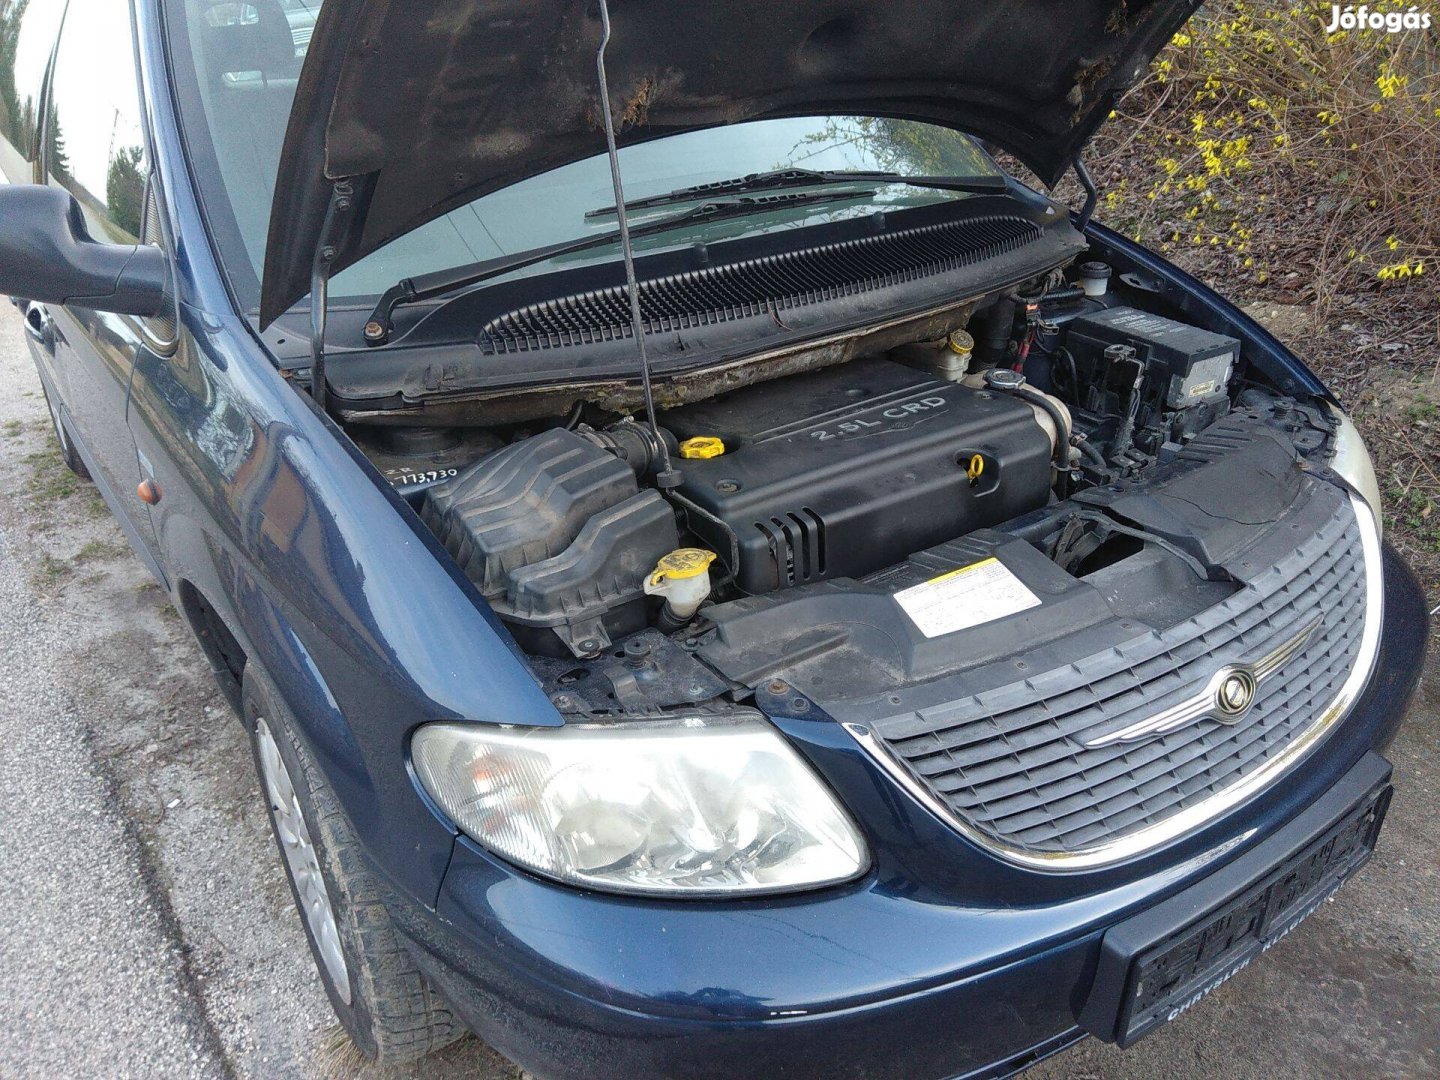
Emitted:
pixel 424 105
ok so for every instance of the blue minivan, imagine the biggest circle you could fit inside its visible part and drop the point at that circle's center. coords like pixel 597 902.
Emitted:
pixel 722 578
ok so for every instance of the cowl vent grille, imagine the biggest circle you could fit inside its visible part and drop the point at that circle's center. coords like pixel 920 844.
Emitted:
pixel 743 289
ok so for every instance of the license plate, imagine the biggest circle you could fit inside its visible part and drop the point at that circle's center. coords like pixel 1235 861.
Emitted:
pixel 1174 974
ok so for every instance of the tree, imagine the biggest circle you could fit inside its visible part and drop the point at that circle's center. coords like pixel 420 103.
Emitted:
pixel 125 190
pixel 13 126
pixel 55 156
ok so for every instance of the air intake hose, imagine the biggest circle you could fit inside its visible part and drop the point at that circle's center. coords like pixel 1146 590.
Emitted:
pixel 635 444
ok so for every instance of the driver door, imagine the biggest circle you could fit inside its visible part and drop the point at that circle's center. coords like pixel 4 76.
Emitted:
pixel 94 147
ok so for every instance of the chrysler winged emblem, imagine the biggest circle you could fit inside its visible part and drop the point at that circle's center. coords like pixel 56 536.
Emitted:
pixel 1227 695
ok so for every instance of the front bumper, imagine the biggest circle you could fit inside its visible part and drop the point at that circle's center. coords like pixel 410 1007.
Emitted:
pixel 940 963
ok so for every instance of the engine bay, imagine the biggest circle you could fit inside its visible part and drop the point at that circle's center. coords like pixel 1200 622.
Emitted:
pixel 869 518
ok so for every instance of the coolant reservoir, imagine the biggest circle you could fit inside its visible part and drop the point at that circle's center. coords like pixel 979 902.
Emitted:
pixel 953 360
pixel 948 358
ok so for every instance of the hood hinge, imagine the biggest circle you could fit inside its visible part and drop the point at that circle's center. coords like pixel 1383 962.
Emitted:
pixel 337 221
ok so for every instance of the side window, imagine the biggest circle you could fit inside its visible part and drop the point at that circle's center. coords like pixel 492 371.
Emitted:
pixel 27 37
pixel 94 145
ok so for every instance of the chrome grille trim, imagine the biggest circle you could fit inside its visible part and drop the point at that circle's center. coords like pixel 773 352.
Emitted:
pixel 1134 844
pixel 1202 704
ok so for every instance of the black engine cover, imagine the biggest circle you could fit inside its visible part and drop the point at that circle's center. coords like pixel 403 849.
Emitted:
pixel 839 472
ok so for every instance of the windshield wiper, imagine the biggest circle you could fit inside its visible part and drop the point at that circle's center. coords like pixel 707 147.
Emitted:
pixel 783 178
pixel 427 286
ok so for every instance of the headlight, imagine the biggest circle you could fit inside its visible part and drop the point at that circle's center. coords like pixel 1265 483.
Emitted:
pixel 692 806
pixel 1352 463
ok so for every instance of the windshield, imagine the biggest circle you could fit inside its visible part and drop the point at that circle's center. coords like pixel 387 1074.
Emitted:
pixel 237 64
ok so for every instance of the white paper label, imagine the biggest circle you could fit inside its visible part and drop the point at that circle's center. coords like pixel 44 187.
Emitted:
pixel 974 594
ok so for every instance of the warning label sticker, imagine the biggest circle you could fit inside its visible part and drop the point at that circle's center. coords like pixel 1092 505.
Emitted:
pixel 974 594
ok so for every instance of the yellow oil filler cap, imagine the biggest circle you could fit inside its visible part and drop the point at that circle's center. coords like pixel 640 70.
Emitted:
pixel 701 446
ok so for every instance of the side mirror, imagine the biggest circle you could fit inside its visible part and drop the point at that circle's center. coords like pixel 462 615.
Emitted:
pixel 48 255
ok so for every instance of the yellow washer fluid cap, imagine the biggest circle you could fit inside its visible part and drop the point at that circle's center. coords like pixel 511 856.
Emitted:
pixel 701 446
pixel 960 343
pixel 682 563
pixel 683 579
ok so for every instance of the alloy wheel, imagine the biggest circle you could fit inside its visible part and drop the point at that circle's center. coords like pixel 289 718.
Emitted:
pixel 302 859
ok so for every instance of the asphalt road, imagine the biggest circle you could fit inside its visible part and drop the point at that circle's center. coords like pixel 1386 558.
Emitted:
pixel 147 930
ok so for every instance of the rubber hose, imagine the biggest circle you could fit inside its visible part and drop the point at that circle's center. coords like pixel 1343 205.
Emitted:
pixel 1056 296
pixel 998 329
pixel 1094 456
pixel 1062 428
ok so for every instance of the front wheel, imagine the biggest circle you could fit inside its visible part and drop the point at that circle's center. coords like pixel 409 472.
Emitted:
pixel 389 1010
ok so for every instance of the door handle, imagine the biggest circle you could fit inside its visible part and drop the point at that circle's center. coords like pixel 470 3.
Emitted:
pixel 40 326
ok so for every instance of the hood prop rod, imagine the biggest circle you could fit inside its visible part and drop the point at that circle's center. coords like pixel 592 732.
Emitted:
pixel 1091 195
pixel 667 477
pixel 336 216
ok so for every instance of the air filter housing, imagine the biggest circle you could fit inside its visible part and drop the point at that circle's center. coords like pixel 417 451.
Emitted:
pixel 558 536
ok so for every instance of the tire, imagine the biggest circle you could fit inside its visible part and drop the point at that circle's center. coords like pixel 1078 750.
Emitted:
pixel 390 1011
pixel 68 453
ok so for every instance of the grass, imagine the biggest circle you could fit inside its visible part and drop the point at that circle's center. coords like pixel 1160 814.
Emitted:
pixel 1415 510
pixel 1422 411
pixel 52 493
pixel 98 550
pixel 49 479
pixel 50 571
pixel 1400 423
pixel 338 1056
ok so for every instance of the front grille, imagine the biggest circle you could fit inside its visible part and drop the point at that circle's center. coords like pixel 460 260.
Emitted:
pixel 754 286
pixel 1013 765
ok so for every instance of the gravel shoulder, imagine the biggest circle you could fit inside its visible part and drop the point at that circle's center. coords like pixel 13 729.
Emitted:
pixel 95 978
pixel 149 931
